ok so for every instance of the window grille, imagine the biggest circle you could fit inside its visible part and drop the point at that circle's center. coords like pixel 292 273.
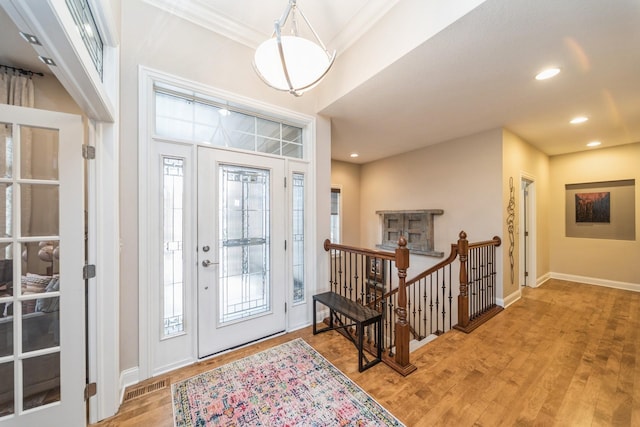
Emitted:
pixel 201 119
pixel 88 30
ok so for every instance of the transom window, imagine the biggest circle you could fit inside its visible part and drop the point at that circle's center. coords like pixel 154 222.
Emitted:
pixel 88 30
pixel 203 119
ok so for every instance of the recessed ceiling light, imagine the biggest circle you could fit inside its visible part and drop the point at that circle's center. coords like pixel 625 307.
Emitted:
pixel 47 61
pixel 594 144
pixel 353 155
pixel 30 38
pixel 547 74
pixel 578 120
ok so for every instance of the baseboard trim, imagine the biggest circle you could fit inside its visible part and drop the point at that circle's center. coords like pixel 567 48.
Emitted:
pixel 510 299
pixel 128 377
pixel 173 366
pixel 543 279
pixel 635 287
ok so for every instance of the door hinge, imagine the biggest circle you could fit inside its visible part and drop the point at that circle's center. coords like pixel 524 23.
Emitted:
pixel 90 390
pixel 285 307
pixel 526 274
pixel 285 182
pixel 89 271
pixel 88 151
pixel 285 245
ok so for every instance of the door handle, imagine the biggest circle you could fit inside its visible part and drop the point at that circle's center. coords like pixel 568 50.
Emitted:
pixel 207 263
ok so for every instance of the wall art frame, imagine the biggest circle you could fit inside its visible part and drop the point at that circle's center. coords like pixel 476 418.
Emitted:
pixel 601 210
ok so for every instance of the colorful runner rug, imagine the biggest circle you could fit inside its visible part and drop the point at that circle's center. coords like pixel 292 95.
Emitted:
pixel 288 385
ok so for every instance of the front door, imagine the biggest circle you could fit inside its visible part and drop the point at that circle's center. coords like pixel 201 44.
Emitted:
pixel 241 244
pixel 42 334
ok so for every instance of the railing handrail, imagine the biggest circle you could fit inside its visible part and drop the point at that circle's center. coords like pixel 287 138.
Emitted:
pixel 398 309
pixel 452 257
pixel 391 256
pixel 496 241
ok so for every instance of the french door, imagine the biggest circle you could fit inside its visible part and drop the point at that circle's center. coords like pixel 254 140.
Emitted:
pixel 241 249
pixel 42 312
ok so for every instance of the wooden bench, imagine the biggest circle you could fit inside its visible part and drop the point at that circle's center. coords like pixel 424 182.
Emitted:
pixel 361 317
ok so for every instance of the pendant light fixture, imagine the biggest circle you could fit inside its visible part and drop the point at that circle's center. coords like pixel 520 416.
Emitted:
pixel 292 63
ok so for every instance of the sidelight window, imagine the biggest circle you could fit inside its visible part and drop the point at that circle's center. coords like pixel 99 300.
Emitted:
pixel 298 237
pixel 172 247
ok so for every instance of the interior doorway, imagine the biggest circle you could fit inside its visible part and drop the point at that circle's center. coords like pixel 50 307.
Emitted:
pixel 527 232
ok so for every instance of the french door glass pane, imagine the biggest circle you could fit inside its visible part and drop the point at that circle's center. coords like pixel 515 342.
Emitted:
pixel 6 301
pixel 298 237
pixel 40 264
pixel 41 380
pixel 39 213
pixel 7 406
pixel 173 256
pixel 244 289
pixel 6 150
pixel 39 153
pixel 6 209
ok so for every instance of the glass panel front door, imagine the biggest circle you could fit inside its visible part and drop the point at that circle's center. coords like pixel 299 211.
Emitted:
pixel 244 208
pixel 241 266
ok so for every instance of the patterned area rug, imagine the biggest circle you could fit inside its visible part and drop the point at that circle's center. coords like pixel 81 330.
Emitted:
pixel 288 385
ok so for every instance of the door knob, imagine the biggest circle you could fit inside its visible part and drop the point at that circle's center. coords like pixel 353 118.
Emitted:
pixel 207 263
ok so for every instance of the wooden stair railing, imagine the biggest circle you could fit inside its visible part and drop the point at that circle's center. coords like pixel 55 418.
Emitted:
pixel 364 275
pixel 477 298
pixel 422 305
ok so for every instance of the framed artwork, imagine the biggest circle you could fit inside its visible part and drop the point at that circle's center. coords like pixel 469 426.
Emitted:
pixel 601 210
pixel 593 207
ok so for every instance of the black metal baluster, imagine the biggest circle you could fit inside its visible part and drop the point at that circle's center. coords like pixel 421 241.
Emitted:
pixel 450 298
pixel 431 304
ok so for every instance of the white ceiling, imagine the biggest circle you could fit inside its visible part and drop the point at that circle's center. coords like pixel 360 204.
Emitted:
pixel 475 75
pixel 478 74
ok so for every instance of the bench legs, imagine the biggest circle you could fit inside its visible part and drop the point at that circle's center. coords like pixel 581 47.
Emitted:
pixel 377 327
pixel 359 343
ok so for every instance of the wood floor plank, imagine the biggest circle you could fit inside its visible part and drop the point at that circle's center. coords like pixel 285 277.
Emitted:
pixel 565 354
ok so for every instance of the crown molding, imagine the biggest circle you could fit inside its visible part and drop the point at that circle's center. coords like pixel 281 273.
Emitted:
pixel 361 22
pixel 204 14
pixel 199 13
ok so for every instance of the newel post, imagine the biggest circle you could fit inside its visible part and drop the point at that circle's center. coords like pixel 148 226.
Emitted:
pixel 463 298
pixel 402 326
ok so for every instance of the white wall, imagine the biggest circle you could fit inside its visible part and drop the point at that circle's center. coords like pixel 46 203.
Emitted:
pixel 158 40
pixel 600 260
pixel 522 159
pixel 462 177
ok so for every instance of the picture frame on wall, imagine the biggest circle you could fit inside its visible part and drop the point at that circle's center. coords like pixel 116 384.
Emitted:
pixel 601 210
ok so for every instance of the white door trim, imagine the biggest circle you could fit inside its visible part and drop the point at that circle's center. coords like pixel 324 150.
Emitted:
pixel 531 280
pixel 147 77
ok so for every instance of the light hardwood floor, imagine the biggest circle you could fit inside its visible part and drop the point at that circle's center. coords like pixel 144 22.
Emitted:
pixel 566 354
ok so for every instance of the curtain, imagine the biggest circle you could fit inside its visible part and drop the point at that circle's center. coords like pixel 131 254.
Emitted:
pixel 15 89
